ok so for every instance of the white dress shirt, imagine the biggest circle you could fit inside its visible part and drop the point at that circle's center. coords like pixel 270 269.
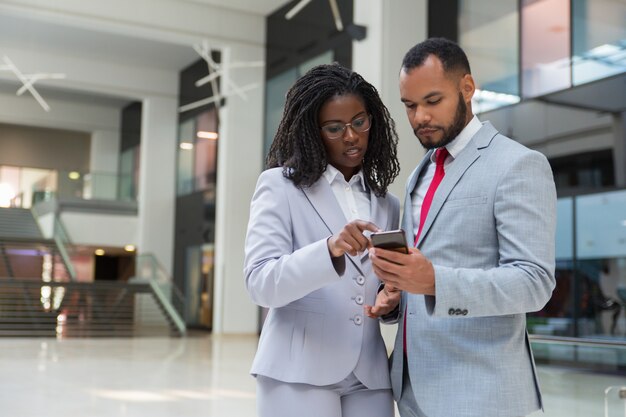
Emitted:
pixel 353 196
pixel 454 148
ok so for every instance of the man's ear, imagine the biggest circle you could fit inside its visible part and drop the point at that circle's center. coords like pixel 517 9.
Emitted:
pixel 467 87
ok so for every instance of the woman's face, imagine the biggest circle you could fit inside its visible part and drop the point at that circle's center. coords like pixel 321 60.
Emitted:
pixel 345 145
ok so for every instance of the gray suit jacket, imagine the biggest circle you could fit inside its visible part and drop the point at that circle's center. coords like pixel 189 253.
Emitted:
pixel 490 234
pixel 315 332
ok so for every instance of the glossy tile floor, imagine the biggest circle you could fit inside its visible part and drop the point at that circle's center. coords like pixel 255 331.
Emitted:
pixel 197 376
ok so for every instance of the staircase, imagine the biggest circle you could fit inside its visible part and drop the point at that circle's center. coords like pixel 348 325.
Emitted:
pixel 25 252
pixel 54 305
pixel 18 223
pixel 73 309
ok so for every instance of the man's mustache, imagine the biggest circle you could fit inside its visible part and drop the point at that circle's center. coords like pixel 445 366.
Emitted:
pixel 425 127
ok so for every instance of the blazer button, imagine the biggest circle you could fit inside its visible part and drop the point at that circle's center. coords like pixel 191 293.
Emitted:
pixel 451 312
pixel 464 312
pixel 360 280
pixel 359 299
pixel 457 311
pixel 358 320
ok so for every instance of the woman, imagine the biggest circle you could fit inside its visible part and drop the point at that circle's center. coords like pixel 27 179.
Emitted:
pixel 331 161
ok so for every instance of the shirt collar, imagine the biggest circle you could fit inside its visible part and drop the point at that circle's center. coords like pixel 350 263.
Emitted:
pixel 460 142
pixel 331 174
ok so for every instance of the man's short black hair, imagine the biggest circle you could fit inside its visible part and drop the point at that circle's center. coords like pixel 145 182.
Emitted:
pixel 450 54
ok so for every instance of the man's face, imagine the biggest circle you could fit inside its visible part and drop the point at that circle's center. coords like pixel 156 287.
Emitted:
pixel 437 104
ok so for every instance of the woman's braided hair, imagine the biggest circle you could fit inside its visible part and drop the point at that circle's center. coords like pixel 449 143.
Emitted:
pixel 298 147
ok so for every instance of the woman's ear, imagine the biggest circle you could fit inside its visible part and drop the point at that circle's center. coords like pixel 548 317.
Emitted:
pixel 468 87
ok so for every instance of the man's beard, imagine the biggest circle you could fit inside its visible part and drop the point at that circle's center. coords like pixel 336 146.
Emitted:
pixel 451 132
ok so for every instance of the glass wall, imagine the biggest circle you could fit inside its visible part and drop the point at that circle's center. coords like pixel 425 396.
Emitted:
pixel 199 289
pixel 599 39
pixel 589 301
pixel 129 174
pixel 276 90
pixel 198 141
pixel 530 48
pixel 186 142
pixel 545 46
pixel 197 153
pixel 494 59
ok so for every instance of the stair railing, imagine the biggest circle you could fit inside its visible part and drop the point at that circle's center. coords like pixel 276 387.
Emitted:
pixel 60 237
pixel 148 268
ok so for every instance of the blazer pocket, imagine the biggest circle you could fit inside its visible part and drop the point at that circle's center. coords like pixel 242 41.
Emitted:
pixel 465 201
pixel 310 304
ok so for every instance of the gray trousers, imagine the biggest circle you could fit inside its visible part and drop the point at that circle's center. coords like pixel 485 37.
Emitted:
pixel 348 398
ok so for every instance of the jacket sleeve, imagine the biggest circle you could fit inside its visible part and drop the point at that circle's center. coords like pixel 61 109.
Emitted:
pixel 393 316
pixel 275 272
pixel 525 223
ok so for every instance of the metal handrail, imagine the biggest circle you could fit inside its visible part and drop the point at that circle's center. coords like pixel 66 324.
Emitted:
pixel 621 392
pixel 576 341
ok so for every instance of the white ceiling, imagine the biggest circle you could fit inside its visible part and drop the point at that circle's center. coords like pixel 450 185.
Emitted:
pixel 23 32
pixel 30 34
pixel 262 7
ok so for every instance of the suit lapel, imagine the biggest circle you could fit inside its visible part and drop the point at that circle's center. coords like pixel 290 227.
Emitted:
pixel 379 211
pixel 321 197
pixel 323 200
pixel 455 171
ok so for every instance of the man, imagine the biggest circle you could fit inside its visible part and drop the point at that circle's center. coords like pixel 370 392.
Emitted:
pixel 483 212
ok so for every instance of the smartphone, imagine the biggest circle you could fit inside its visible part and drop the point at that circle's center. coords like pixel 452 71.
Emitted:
pixel 392 239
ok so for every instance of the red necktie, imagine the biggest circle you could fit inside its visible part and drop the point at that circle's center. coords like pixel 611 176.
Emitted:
pixel 440 157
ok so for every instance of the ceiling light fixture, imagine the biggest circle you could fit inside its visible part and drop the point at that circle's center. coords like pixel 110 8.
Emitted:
pixel 207 135
pixel 28 80
pixel 218 70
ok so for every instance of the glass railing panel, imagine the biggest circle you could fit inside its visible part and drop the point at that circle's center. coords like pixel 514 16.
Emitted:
pixel 83 185
pixel 601 264
pixel 581 353
pixel 147 267
pixel 62 239
pixel 557 318
pixel 100 186
pixel 589 300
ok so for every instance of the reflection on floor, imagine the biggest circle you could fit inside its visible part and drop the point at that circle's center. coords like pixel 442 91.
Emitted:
pixel 197 376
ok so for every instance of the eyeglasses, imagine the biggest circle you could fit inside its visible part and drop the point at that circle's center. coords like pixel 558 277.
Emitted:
pixel 336 130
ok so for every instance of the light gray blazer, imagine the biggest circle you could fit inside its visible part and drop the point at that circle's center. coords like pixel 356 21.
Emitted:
pixel 316 331
pixel 490 234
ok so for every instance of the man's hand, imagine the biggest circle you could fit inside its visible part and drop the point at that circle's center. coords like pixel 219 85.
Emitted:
pixel 386 301
pixel 412 272
pixel 350 239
